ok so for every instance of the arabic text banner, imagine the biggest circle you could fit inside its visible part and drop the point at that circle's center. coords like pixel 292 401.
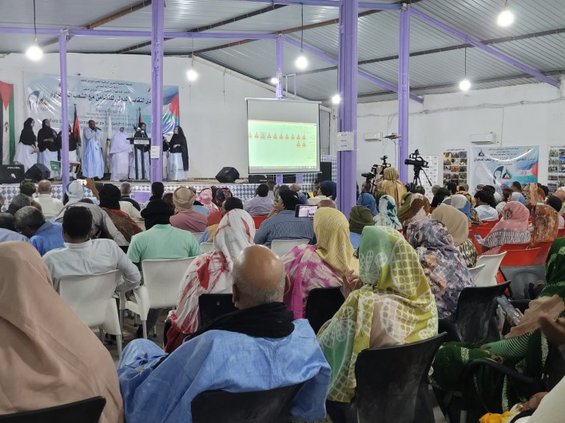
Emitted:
pixel 496 165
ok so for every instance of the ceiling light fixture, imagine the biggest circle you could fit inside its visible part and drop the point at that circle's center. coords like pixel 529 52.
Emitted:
pixel 34 52
pixel 301 61
pixel 506 17
pixel 336 99
pixel 191 73
pixel 465 84
pixel 274 80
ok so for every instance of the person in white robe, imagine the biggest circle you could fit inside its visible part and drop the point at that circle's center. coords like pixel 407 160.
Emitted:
pixel 92 159
pixel 119 154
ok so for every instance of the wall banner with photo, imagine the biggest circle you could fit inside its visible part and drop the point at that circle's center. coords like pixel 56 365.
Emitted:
pixel 455 166
pixel 497 165
pixel 556 167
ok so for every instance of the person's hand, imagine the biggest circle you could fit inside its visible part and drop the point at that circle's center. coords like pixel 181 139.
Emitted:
pixel 351 282
pixel 534 401
pixel 553 330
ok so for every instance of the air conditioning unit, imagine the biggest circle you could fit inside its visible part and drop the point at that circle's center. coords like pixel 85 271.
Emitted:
pixel 373 136
pixel 483 139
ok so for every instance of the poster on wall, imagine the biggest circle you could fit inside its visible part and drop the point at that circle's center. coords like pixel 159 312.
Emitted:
pixel 496 165
pixel 111 103
pixel 8 134
pixel 455 166
pixel 556 168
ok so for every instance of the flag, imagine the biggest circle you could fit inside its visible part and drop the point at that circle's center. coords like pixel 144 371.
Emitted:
pixel 76 127
pixel 139 119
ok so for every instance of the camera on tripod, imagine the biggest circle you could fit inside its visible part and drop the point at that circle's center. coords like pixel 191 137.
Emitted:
pixel 416 160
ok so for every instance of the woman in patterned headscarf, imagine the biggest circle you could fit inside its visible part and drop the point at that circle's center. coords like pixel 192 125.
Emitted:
pixel 386 215
pixel 394 306
pixel 545 224
pixel 414 207
pixel 444 267
pixel 322 265
pixel 391 185
pixel 457 224
pixel 512 228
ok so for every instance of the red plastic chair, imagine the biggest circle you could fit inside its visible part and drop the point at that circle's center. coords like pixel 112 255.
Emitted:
pixel 481 230
pixel 511 247
pixel 258 220
pixel 522 257
pixel 544 250
pixel 561 233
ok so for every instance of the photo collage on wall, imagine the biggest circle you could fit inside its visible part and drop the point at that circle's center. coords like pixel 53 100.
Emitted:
pixel 556 168
pixel 455 166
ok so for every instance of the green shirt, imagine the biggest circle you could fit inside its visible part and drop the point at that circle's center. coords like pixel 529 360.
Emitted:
pixel 163 242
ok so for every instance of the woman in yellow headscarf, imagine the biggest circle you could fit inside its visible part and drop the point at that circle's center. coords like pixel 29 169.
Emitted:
pixel 391 185
pixel 323 265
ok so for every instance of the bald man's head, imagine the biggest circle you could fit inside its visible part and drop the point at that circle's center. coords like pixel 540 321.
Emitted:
pixel 258 278
pixel 44 187
pixel 327 202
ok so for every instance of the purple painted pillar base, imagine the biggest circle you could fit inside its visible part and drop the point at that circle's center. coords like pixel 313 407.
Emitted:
pixel 299 178
pixel 404 92
pixel 279 179
pixel 157 39
pixel 64 110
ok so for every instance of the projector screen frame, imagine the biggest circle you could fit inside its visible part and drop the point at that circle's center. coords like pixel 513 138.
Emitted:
pixel 318 140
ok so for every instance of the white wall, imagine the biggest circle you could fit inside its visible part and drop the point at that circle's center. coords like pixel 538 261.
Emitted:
pixel 212 110
pixel 531 114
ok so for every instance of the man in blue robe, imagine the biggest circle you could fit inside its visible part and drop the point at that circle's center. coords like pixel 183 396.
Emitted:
pixel 92 158
pixel 259 347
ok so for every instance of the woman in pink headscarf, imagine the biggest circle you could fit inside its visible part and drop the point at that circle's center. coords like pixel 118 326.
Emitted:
pixel 210 273
pixel 205 197
pixel 512 228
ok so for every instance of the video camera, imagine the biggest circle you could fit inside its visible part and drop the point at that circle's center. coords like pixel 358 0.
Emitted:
pixel 416 160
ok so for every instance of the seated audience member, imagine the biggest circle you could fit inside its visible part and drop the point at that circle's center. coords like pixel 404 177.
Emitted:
pixel 391 185
pixel 131 211
pixel 186 218
pixel 125 189
pixel 486 206
pixel 444 267
pixel 205 197
pixel 523 347
pixel 271 184
pixel 75 193
pixel 545 224
pixel 49 206
pixel 451 187
pixel 457 225
pixel 220 196
pixel 261 204
pixel 492 190
pixel 284 225
pixel 8 229
pixel 168 198
pixel 367 199
pixel 84 256
pixel 232 203
pixel 234 353
pixel 210 273
pixel 560 193
pixel 302 197
pixel 394 306
pixel 110 202
pixel 414 207
pixel 157 191
pixel 439 197
pixel 462 203
pixel 49 356
pixel 2 203
pixel 198 206
pixel 327 202
pixel 512 227
pixel 318 194
pixel 160 241
pixel 19 201
pixel 557 204
pixel 435 189
pixel 387 215
pixel 44 235
pixel 323 265
pixel 27 187
pixel 359 217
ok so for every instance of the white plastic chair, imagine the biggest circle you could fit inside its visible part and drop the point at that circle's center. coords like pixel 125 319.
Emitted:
pixel 282 246
pixel 206 247
pixel 160 289
pixel 91 297
pixel 487 275
pixel 475 271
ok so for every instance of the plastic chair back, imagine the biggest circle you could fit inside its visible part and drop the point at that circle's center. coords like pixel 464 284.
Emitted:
pixel 282 246
pixel 512 247
pixel 162 279
pixel 481 230
pixel 258 220
pixel 86 411
pixel 206 247
pixel 91 297
pixel 521 277
pixel 475 316
pixel 212 306
pixel 244 407
pixel 390 381
pixel 487 275
pixel 475 271
pixel 522 257
pixel 321 305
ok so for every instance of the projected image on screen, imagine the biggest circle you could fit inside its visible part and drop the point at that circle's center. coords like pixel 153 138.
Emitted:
pixel 283 136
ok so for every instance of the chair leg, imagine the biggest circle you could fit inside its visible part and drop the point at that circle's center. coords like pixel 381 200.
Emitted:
pixel 144 327
pixel 119 345
pixel 101 333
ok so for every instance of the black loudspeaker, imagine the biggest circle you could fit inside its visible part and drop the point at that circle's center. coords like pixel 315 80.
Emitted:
pixel 227 175
pixel 38 172
pixel 11 174
pixel 325 171
pixel 258 179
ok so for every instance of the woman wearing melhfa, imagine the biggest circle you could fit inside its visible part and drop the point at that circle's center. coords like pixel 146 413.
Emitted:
pixel 26 151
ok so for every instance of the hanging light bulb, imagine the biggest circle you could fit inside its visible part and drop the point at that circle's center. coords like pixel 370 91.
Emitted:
pixel 191 75
pixel 274 80
pixel 336 99
pixel 34 52
pixel 301 62
pixel 465 85
pixel 505 18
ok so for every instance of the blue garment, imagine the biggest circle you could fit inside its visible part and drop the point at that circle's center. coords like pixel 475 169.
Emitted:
pixel 302 198
pixel 8 235
pixel 366 199
pixel 48 237
pixel 355 239
pixel 92 161
pixel 518 196
pixel 222 360
pixel 201 209
pixel 284 225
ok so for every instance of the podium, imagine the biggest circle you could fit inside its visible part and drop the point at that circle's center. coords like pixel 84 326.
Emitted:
pixel 141 144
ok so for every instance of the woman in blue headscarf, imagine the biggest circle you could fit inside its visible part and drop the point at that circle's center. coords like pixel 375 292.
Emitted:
pixel 366 199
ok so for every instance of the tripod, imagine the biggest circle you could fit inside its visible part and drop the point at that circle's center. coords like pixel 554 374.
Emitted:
pixel 417 181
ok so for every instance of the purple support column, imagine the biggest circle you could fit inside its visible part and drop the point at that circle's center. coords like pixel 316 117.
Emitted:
pixel 64 110
pixel 158 22
pixel 279 65
pixel 403 91
pixel 347 87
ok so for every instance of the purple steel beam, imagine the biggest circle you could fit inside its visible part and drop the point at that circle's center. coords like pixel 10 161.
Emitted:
pixel 322 55
pixel 157 39
pixel 503 57
pixel 403 91
pixel 64 109
pixel 126 33
pixel 18 30
pixel 279 66
pixel 333 3
pixel 347 73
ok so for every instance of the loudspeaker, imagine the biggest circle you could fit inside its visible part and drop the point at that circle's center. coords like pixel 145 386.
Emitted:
pixel 11 174
pixel 325 171
pixel 258 179
pixel 227 175
pixel 38 172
